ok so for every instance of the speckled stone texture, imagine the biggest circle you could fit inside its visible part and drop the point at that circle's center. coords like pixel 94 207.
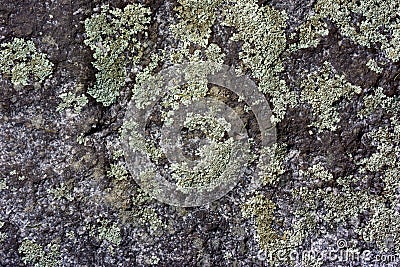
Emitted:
pixel 57 191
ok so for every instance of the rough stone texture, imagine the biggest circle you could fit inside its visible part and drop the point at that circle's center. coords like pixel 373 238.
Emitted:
pixel 40 151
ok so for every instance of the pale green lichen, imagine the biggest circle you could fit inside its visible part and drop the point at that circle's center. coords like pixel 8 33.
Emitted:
pixel 343 207
pixel 71 235
pixel 138 142
pixel 107 231
pixel 117 154
pixel 262 31
pixel 208 171
pixel 373 65
pixel 385 160
pixel 383 229
pixel 118 194
pixel 146 90
pixel 194 28
pixel 310 33
pixel 35 255
pixel 214 54
pixel 82 139
pixel 322 89
pixel 3 184
pixel 62 191
pixel 153 260
pixel 272 241
pixel 212 127
pixel 21 61
pixel 3 236
pixel 144 217
pixel 196 83
pixel 143 214
pixel 263 210
pixel 271 165
pixel 318 208
pixel 317 174
pixel 112 35
pixel 118 171
pixel 195 20
pixel 386 154
pixel 214 157
pixel 378 99
pixel 71 100
pixel 366 31
pixel 147 85
pixel 133 204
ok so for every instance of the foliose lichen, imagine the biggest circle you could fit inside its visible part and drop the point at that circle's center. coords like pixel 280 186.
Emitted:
pixel 260 31
pixel 112 35
pixel 63 191
pixel 71 100
pixel 107 231
pixel 3 184
pixel 373 65
pixel 37 256
pixel 261 28
pixel 310 33
pixel 20 60
pixel 195 21
pixel 367 30
pixel 321 89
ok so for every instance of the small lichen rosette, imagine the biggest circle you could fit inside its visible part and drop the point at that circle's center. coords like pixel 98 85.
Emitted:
pixel 23 63
pixel 188 149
